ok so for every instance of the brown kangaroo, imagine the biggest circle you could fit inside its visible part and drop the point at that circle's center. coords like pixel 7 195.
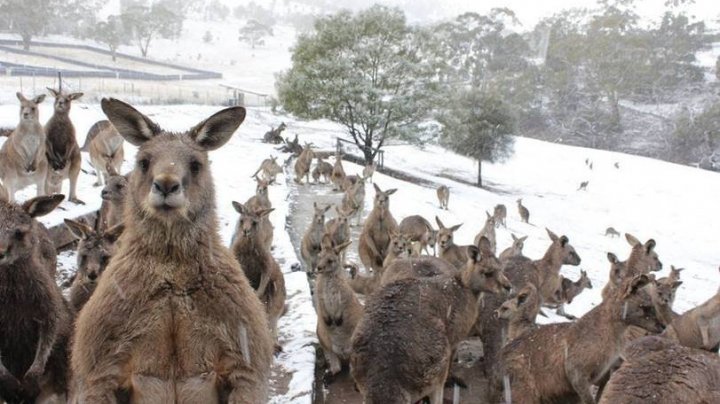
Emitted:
pixel 543 273
pixel 261 269
pixel 416 267
pixel 443 195
pixel 610 231
pixel 94 252
pixel 354 201
pixel 113 195
pixel 500 215
pixel 488 231
pixel 106 150
pixel 616 275
pixel 338 228
pixel 338 173
pixel 515 250
pixel 61 147
pixel 520 312
pixel 523 212
pixel 322 169
pixel 173 319
pixel 661 371
pixel 569 290
pixel 302 165
pixel 375 236
pixel 338 308
pixel 260 201
pixel 643 258
pixel 449 251
pixel 699 327
pixel 22 156
pixel 35 322
pixel 369 171
pixel 402 348
pixel 269 169
pixel 311 242
pixel 575 355
pixel 420 232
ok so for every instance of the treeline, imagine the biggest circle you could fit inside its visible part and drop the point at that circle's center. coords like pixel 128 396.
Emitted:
pixel 471 81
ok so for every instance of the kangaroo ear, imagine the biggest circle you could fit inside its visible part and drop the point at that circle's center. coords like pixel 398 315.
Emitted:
pixel 342 247
pixel 113 234
pixel 53 92
pixel 39 99
pixel 473 253
pixel 649 246
pixel 79 230
pixel 215 131
pixel 522 297
pixel 612 258
pixel 455 228
pixel 523 238
pixel 132 125
pixel 439 223
pixel 390 191
pixel 75 96
pixel 326 208
pixel 42 205
pixel 552 235
pixel 20 96
pixel 564 240
pixel 632 240
pixel 377 188
pixel 484 245
pixel 265 212
pixel 633 285
pixel 239 208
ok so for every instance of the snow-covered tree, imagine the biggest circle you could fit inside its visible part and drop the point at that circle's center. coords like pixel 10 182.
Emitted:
pixel 146 23
pixel 479 126
pixel 28 18
pixel 364 71
pixel 110 33
pixel 254 33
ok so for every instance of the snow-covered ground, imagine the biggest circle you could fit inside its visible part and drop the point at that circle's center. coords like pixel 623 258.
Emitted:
pixel 674 204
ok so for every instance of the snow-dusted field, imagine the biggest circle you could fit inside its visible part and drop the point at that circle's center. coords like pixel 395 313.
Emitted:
pixel 675 205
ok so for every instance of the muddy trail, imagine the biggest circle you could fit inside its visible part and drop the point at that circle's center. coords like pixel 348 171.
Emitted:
pixel 341 389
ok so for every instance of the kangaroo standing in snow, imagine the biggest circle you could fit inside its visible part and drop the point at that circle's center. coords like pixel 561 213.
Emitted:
pixel 22 157
pixel 61 147
pixel 173 318
pixel 106 150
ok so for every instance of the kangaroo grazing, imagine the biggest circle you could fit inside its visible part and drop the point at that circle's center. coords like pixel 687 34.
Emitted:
pixel 94 252
pixel 322 169
pixel 274 135
pixel 610 231
pixel 662 371
pixel 575 355
pixel 35 322
pixel 302 164
pixel 338 173
pixel 403 346
pixel 420 232
pixel 515 250
pixel 369 171
pixel 449 251
pixel 261 269
pixel 338 308
pixel 583 186
pixel 523 212
pixel 61 148
pixel 106 150
pixel 500 215
pixel 520 312
pixel 488 231
pixel 22 156
pixel 374 242
pixel 173 318
pixel 93 132
pixel 443 195
pixel 311 242
pixel 268 170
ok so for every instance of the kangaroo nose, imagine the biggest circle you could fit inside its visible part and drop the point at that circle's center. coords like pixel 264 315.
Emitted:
pixel 92 275
pixel 166 186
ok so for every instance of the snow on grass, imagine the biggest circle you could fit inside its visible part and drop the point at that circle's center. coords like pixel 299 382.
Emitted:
pixel 671 203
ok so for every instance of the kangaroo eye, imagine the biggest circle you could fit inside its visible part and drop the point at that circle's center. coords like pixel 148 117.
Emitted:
pixel 144 165
pixel 195 166
pixel 19 235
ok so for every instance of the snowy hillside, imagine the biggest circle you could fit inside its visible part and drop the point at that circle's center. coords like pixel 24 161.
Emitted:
pixel 673 204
